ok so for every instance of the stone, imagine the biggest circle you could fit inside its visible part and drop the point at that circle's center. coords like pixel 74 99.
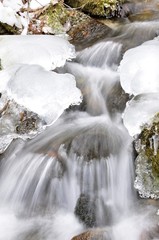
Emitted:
pixel 85 210
pixel 95 234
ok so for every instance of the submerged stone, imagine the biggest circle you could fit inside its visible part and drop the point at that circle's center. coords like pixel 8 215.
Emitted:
pixel 85 210
pixel 97 142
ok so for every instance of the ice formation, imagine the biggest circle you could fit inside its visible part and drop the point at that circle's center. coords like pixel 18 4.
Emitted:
pixel 139 71
pixel 45 93
pixel 139 111
pixel 47 51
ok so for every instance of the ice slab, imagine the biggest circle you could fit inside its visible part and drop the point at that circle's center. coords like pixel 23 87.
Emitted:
pixel 43 92
pixel 139 111
pixel 47 51
pixel 139 71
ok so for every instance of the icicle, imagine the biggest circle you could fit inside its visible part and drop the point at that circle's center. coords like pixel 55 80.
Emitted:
pixel 151 142
pixel 155 143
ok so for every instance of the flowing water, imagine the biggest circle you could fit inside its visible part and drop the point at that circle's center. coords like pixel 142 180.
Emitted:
pixel 79 172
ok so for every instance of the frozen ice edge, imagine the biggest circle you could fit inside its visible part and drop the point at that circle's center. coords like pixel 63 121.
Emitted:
pixel 26 77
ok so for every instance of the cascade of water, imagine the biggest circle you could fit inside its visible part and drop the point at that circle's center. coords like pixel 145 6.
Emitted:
pixel 81 164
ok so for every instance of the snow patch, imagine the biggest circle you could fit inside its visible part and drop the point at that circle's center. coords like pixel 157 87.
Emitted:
pixel 9 16
pixel 34 4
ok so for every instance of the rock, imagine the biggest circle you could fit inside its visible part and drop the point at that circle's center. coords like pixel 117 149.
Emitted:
pixel 4 30
pixel 16 122
pixel 100 8
pixel 96 234
pixel 140 11
pixel 52 20
pixel 85 30
pixel 117 99
pixel 85 210
pixel 99 141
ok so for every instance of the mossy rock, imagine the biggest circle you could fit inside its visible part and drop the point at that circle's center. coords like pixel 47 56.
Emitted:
pixel 146 136
pixel 55 17
pixel 100 8
pixel 6 29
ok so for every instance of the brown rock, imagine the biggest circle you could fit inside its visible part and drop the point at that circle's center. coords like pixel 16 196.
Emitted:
pixel 96 234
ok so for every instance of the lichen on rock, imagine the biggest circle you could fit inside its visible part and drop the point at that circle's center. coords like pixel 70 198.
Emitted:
pixel 55 18
pixel 100 8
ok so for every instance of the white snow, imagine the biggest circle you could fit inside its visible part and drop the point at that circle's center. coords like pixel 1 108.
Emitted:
pixel 139 69
pixel 47 51
pixel 9 16
pixel 139 111
pixel 46 93
pixel 34 4
pixel 15 5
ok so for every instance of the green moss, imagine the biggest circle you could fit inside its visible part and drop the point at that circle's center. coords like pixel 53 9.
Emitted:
pixel 55 17
pixel 147 133
pixel 99 8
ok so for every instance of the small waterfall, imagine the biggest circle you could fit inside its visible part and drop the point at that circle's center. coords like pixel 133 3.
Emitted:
pixel 83 162
pixel 78 173
pixel 102 55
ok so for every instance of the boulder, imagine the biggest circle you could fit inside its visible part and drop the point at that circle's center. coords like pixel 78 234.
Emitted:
pixel 85 210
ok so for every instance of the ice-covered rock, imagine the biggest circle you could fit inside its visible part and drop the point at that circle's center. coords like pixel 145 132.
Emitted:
pixel 146 182
pixel 16 122
pixel 45 93
pixel 47 51
pixel 139 71
pixel 139 111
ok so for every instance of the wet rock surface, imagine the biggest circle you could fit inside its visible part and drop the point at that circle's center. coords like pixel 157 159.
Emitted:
pixel 85 31
pixel 85 210
pixel 141 10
